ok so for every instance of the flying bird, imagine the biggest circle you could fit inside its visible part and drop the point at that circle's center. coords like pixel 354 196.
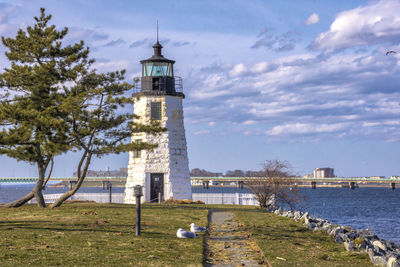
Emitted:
pixel 391 52
pixel 184 234
pixel 194 228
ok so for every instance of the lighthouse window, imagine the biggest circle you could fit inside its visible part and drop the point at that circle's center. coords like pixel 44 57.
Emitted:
pixel 155 111
pixel 157 69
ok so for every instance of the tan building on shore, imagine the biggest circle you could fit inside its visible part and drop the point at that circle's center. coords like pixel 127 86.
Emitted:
pixel 324 173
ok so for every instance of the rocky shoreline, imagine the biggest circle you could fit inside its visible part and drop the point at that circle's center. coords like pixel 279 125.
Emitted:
pixel 381 252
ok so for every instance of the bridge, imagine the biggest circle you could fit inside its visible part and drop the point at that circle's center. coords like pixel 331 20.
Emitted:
pixel 351 182
pixel 33 179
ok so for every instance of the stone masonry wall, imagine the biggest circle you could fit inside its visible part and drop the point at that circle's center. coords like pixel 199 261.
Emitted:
pixel 169 158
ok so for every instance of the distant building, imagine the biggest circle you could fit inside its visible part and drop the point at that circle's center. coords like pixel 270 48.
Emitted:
pixel 395 177
pixel 324 173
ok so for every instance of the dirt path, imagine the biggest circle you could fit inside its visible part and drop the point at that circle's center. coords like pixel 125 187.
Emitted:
pixel 228 245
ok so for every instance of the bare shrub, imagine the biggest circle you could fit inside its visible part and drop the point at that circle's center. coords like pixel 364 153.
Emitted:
pixel 276 186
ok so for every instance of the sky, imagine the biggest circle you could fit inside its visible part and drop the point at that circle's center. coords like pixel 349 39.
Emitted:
pixel 309 82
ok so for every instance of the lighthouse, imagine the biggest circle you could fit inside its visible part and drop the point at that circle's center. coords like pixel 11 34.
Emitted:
pixel 163 171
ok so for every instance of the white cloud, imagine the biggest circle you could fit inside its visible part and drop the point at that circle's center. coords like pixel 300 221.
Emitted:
pixel 305 128
pixel 111 66
pixel 381 123
pixel 314 18
pixel 249 122
pixel 237 70
pixel 202 132
pixel 378 22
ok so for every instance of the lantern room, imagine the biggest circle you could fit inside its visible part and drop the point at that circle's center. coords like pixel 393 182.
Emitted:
pixel 158 74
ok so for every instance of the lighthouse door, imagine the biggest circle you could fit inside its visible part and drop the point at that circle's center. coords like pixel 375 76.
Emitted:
pixel 156 186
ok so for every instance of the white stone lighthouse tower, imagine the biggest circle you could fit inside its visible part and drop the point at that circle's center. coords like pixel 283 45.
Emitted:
pixel 164 170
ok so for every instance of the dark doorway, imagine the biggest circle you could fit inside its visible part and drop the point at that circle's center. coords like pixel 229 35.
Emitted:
pixel 156 186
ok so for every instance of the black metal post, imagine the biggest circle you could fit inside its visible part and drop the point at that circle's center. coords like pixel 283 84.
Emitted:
pixel 138 193
pixel 110 193
pixel 138 212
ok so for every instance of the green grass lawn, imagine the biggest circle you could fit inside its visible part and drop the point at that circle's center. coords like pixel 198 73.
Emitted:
pixel 99 234
pixel 104 234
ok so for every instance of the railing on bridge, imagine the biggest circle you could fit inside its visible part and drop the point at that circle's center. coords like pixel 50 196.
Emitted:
pixel 33 179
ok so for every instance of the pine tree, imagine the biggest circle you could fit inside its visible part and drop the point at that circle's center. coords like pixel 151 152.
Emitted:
pixel 32 126
pixel 53 102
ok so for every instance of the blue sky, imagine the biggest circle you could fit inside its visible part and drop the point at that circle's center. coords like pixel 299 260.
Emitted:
pixel 303 81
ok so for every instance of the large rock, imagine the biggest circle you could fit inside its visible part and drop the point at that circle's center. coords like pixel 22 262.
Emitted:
pixel 379 244
pixel 338 239
pixel 349 245
pixel 312 226
pixel 297 215
pixel 277 212
pixel 305 215
pixel 364 232
pixel 336 230
pixel 352 234
pixel 344 237
pixel 393 262
pixel 378 260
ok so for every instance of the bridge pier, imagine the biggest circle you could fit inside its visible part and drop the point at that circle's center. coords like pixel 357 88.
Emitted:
pixel 240 184
pixel 313 185
pixel 393 186
pixel 71 184
pixel 352 185
pixel 206 184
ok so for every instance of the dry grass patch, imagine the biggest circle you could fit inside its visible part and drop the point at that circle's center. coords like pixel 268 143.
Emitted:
pixel 288 243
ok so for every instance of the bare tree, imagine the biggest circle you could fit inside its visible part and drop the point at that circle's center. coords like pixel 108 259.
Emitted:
pixel 276 186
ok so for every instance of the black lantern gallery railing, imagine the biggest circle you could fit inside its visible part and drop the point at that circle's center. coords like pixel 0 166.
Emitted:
pixel 160 83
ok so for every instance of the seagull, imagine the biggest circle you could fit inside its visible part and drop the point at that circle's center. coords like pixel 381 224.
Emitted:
pixel 194 228
pixel 391 52
pixel 184 234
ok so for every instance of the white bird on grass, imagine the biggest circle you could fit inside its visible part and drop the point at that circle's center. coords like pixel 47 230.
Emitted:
pixel 185 234
pixel 194 228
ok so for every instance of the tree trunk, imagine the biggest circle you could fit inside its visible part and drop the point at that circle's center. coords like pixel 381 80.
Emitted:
pixel 19 202
pixel 39 197
pixel 37 190
pixel 81 178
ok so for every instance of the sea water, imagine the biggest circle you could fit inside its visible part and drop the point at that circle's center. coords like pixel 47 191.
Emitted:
pixel 375 208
